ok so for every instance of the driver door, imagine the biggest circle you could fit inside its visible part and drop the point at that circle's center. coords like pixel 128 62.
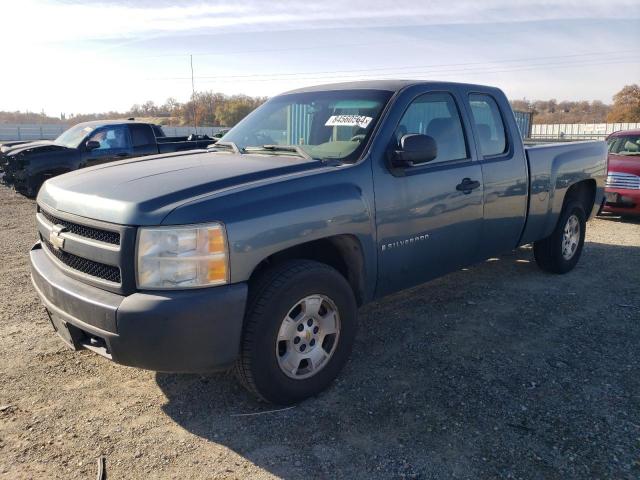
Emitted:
pixel 428 216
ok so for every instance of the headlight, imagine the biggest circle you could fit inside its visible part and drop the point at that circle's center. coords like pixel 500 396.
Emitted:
pixel 182 257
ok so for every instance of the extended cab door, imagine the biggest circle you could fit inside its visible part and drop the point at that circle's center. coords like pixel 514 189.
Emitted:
pixel 114 144
pixel 428 216
pixel 143 139
pixel 504 170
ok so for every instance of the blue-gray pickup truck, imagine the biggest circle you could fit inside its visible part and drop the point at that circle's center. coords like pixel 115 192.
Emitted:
pixel 256 253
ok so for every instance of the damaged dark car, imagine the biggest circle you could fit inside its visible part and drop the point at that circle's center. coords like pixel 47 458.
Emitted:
pixel 26 165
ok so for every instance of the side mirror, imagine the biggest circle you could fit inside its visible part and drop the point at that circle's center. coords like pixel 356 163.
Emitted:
pixel 92 145
pixel 415 149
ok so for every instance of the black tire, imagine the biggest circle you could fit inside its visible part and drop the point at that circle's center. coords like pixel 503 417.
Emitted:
pixel 548 252
pixel 33 186
pixel 271 298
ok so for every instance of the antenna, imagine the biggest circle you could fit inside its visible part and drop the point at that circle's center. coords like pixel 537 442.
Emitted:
pixel 193 96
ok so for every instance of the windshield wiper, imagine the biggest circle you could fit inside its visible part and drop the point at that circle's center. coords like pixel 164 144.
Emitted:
pixel 227 146
pixel 281 148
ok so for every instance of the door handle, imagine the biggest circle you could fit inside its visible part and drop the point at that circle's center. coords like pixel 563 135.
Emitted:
pixel 467 185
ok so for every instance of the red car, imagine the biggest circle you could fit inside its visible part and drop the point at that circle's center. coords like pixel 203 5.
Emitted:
pixel 623 179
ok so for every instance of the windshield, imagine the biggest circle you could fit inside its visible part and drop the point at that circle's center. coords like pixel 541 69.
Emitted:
pixel 71 138
pixel 625 145
pixel 323 125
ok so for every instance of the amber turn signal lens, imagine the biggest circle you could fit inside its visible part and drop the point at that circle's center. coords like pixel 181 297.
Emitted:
pixel 217 270
pixel 216 240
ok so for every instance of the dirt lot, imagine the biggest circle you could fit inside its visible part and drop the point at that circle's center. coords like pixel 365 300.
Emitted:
pixel 495 371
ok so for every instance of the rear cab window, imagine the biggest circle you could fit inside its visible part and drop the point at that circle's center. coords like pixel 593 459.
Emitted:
pixel 489 125
pixel 157 129
pixel 142 135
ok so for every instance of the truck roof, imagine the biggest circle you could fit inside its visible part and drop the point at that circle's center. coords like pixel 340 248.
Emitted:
pixel 111 122
pixel 388 85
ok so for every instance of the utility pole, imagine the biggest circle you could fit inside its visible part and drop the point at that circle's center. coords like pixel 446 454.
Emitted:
pixel 193 96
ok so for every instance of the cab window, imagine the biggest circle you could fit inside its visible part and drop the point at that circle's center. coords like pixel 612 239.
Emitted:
pixel 111 138
pixel 436 115
pixel 489 125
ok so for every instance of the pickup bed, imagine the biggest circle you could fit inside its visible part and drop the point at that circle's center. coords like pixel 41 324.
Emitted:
pixel 257 253
pixel 26 165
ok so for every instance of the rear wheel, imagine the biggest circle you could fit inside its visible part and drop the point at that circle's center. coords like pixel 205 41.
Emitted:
pixel 299 331
pixel 560 252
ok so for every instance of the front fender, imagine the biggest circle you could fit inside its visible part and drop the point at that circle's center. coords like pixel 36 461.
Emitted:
pixel 54 162
pixel 267 219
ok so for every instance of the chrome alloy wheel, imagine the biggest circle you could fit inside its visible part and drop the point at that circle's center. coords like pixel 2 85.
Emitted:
pixel 308 337
pixel 570 237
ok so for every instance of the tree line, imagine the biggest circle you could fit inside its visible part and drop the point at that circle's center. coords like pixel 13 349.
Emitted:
pixel 625 108
pixel 205 109
pixel 218 109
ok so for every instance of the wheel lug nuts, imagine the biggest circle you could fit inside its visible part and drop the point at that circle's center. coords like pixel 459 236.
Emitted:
pixel 296 340
pixel 310 322
pixel 315 329
pixel 300 327
pixel 303 347
pixel 312 342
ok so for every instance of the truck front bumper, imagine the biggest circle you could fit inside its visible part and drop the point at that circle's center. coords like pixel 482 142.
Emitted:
pixel 193 331
pixel 622 201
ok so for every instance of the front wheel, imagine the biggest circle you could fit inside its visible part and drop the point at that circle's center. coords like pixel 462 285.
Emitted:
pixel 560 252
pixel 33 186
pixel 299 331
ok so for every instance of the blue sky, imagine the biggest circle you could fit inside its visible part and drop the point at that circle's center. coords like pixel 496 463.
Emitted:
pixel 84 56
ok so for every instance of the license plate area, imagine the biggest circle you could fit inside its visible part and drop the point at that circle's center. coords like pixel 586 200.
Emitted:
pixel 64 331
pixel 612 197
pixel 77 339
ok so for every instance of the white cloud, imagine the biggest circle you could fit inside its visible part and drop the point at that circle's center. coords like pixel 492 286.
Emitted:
pixel 51 21
pixel 84 55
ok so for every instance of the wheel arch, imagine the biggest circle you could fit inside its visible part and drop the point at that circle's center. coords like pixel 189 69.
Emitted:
pixel 343 252
pixel 584 192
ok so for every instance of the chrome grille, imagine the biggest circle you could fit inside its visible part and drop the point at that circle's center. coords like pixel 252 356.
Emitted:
pixel 626 181
pixel 92 251
pixel 84 265
pixel 83 230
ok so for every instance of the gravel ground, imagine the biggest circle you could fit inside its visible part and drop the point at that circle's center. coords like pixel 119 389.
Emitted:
pixel 498 370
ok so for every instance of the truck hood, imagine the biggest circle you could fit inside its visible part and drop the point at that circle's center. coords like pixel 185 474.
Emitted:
pixel 624 163
pixel 40 146
pixel 143 191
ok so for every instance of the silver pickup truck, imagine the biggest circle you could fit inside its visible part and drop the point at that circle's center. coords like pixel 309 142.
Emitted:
pixel 257 253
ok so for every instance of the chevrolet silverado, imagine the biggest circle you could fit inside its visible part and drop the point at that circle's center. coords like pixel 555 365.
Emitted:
pixel 257 253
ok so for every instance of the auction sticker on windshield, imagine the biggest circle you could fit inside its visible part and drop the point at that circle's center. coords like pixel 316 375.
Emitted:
pixel 348 121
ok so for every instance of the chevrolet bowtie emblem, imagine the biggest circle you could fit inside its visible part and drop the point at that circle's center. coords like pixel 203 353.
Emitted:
pixel 54 237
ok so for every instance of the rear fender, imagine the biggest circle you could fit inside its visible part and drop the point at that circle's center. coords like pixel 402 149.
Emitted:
pixel 553 170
